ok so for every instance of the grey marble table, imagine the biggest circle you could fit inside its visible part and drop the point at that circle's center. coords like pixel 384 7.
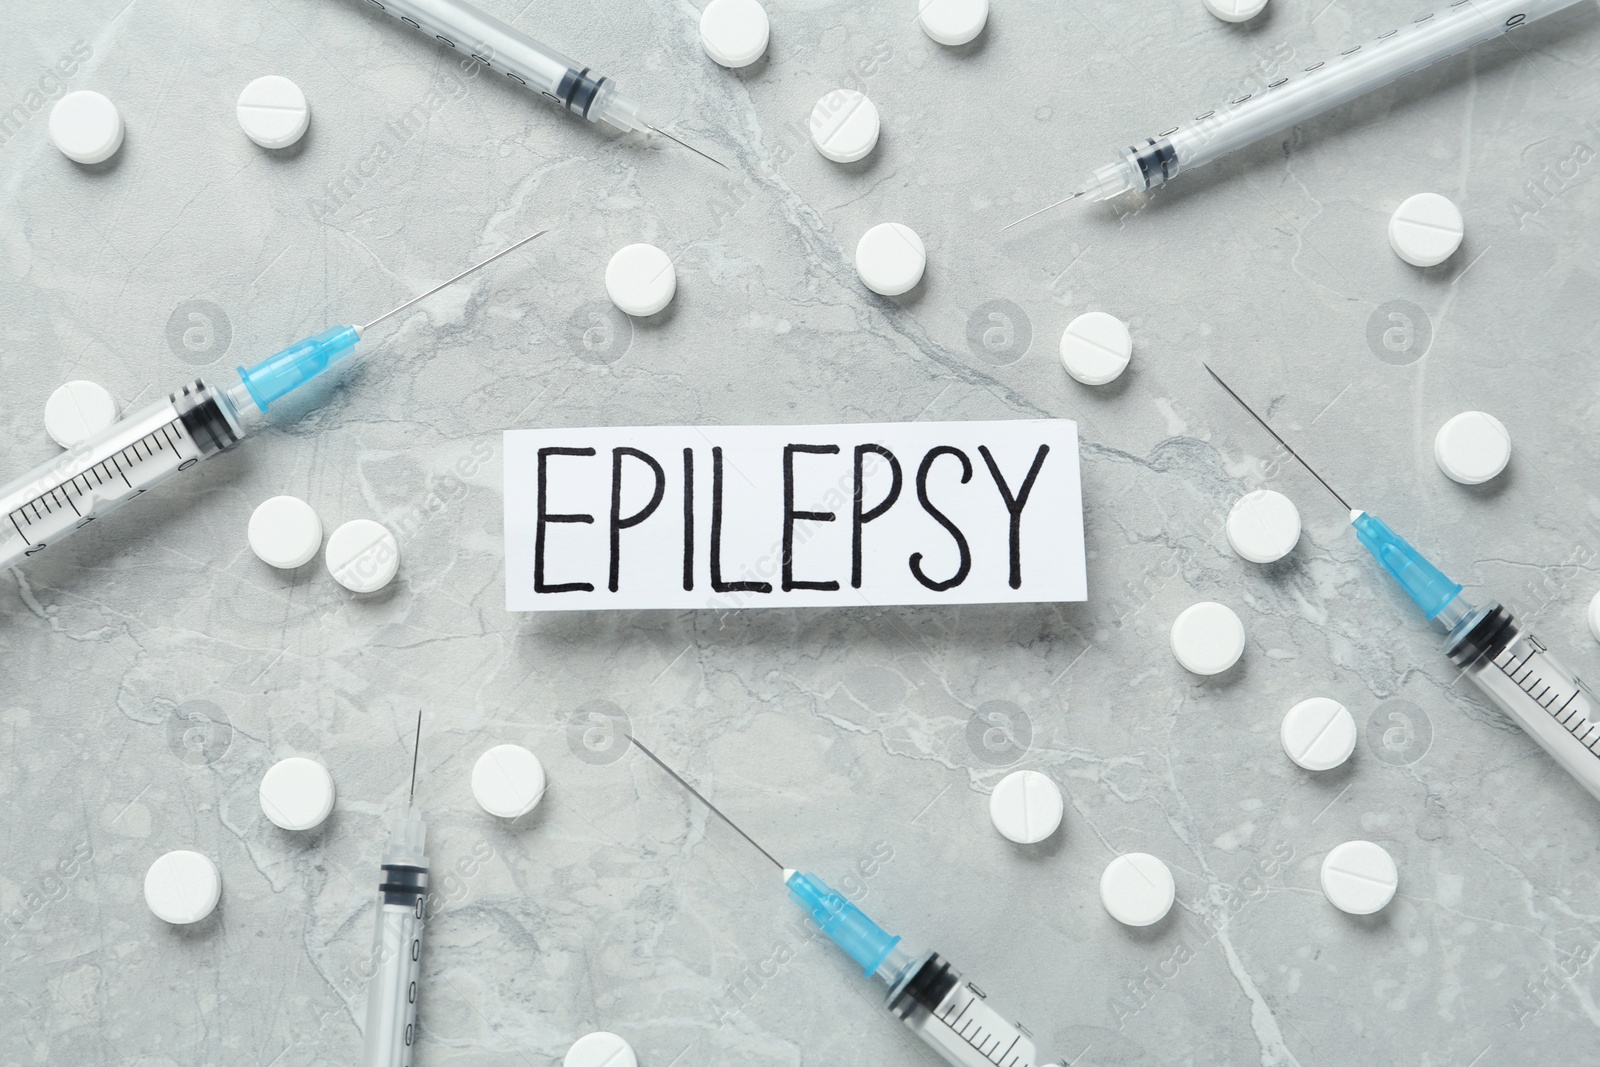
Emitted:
pixel 151 669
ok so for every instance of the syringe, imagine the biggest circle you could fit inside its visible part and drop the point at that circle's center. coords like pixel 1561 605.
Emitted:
pixel 389 1039
pixel 525 61
pixel 144 449
pixel 923 991
pixel 1512 667
pixel 1297 97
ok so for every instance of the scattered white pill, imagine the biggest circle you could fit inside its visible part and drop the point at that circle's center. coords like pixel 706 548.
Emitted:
pixel 297 793
pixel 1025 807
pixel 86 127
pixel 1472 447
pixel 77 411
pixel 284 532
pixel 1208 638
pixel 600 1049
pixel 1137 889
pixel 1263 526
pixel 1319 734
pixel 734 32
pixel 1359 877
pixel 1235 10
pixel 1594 616
pixel 640 280
pixel 952 22
pixel 844 125
pixel 1426 229
pixel 362 556
pixel 1096 347
pixel 182 887
pixel 273 111
pixel 890 259
pixel 508 781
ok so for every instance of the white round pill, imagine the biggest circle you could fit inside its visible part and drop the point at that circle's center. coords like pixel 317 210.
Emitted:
pixel 890 259
pixel 952 22
pixel 273 111
pixel 86 127
pixel 640 280
pixel 1235 10
pixel 182 887
pixel 1263 526
pixel 77 411
pixel 1426 229
pixel 508 781
pixel 1359 877
pixel 600 1049
pixel 284 532
pixel 734 32
pixel 844 125
pixel 362 556
pixel 1096 347
pixel 297 793
pixel 1472 447
pixel 1594 616
pixel 1137 889
pixel 1025 807
pixel 1207 638
pixel 1318 734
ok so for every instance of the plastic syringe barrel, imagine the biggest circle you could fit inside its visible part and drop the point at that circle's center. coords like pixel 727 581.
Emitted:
pixel 845 924
pixel 1425 584
pixel 285 371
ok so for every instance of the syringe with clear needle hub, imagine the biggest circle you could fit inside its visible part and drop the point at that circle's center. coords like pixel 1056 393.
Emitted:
pixel 948 1012
pixel 1294 98
pixel 1509 664
pixel 144 449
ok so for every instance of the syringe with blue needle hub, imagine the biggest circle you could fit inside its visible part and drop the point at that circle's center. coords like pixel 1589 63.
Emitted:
pixel 146 448
pixel 1512 666
pixel 923 991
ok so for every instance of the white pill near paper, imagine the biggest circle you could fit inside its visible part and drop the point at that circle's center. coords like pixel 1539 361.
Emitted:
pixel 273 111
pixel 641 280
pixel 284 532
pixel 600 1049
pixel 1207 638
pixel 508 781
pixel 890 259
pixel 77 411
pixel 1026 807
pixel 845 126
pixel 952 22
pixel 1137 889
pixel 1318 734
pixel 86 126
pixel 297 793
pixel 1263 526
pixel 1096 347
pixel 1426 229
pixel 1472 448
pixel 362 556
pixel 182 887
pixel 1359 877
pixel 734 32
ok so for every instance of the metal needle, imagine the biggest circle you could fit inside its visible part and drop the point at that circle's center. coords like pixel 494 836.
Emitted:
pixel 1274 434
pixel 416 750
pixel 679 778
pixel 476 266
pixel 686 144
pixel 1041 211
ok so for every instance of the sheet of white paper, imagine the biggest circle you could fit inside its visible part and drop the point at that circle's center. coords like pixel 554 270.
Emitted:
pixel 793 516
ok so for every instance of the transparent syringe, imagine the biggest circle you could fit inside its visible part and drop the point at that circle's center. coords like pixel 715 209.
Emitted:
pixel 923 990
pixel 146 448
pixel 389 1038
pixel 1508 663
pixel 581 90
pixel 1295 98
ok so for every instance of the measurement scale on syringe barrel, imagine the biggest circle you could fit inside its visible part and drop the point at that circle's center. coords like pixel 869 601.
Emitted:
pixel 106 471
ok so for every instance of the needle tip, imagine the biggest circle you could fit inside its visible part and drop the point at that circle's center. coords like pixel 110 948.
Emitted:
pixel 686 144
pixel 1041 211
